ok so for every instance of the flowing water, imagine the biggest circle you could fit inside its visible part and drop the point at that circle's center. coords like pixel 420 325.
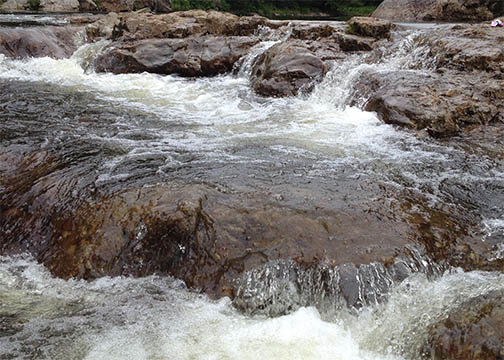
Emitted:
pixel 118 131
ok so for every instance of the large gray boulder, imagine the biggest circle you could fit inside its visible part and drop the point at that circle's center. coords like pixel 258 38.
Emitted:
pixel 286 69
pixel 437 10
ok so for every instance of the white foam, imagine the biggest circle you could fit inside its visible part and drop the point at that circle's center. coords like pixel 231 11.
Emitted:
pixel 209 116
pixel 157 318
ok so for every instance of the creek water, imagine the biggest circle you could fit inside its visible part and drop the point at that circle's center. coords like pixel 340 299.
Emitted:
pixel 120 131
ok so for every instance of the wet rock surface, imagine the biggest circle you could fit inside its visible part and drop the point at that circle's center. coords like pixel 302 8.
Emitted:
pixel 437 10
pixel 55 42
pixel 367 26
pixel 462 88
pixel 287 69
pixel 216 236
pixel 443 104
pixel 203 56
pixel 145 25
pixel 282 286
pixel 474 331
pixel 44 5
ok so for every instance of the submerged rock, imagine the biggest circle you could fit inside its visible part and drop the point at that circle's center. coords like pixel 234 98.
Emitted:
pixel 473 331
pixel 437 10
pixel 286 69
pixel 202 56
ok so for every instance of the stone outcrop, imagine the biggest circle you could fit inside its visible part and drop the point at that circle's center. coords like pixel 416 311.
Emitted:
pixel 183 24
pixel 475 331
pixel 103 28
pixel 468 48
pixel 463 88
pixel 437 10
pixel 45 5
pixel 442 104
pixel 286 69
pixel 55 42
pixel 202 56
pixel 367 26
pixel 158 6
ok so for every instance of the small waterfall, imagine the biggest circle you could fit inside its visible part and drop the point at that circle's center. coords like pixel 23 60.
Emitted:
pixel 86 54
pixel 410 53
pixel 269 37
pixel 158 318
pixel 283 286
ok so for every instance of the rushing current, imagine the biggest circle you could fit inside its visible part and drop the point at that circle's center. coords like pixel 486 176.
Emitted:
pixel 141 128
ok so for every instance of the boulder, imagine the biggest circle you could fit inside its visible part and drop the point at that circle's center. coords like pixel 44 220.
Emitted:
pixel 287 69
pixel 87 5
pixel 443 104
pixel 103 28
pixel 468 48
pixel 475 331
pixel 59 5
pixel 351 43
pixel 45 5
pixel 312 31
pixel 367 26
pixel 14 5
pixel 437 10
pixel 52 41
pixel 202 56
pixel 144 25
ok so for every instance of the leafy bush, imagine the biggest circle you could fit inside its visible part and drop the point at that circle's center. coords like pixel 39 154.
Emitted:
pixel 280 7
pixel 34 4
pixel 183 5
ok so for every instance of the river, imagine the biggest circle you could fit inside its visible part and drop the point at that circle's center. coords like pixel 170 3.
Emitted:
pixel 115 132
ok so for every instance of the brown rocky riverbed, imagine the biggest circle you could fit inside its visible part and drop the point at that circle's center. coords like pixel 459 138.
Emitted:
pixel 208 147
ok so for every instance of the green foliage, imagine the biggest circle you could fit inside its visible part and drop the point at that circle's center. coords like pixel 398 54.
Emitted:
pixel 499 8
pixel 350 29
pixel 357 11
pixel 180 5
pixel 271 8
pixel 34 4
pixel 183 5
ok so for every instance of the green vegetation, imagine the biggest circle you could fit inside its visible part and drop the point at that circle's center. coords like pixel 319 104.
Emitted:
pixel 181 5
pixel 34 4
pixel 283 8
